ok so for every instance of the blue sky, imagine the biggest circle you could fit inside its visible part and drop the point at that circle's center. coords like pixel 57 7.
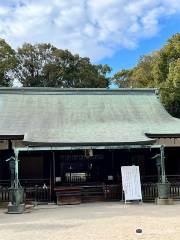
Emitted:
pixel 127 58
pixel 116 32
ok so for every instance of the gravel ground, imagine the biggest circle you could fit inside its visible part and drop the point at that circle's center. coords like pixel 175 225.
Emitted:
pixel 102 221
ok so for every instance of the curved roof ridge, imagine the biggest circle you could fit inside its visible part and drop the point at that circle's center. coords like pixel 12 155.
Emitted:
pixel 36 90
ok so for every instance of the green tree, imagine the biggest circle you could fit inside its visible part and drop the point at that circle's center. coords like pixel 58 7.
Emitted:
pixel 170 91
pixel 167 74
pixel 160 69
pixel 142 74
pixel 43 65
pixel 70 70
pixel 31 62
pixel 8 63
pixel 123 78
pixel 164 58
pixel 139 76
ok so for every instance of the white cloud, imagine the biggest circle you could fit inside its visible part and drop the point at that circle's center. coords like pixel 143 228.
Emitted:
pixel 94 28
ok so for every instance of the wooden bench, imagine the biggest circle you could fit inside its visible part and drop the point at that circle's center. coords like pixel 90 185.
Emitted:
pixel 68 195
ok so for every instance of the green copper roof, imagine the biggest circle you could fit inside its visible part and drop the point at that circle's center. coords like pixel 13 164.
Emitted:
pixel 66 117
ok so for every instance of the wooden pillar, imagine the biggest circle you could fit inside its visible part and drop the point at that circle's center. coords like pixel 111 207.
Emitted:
pixel 54 169
pixel 112 157
pixel 163 174
pixel 16 174
pixel 9 144
pixel 50 179
pixel 52 173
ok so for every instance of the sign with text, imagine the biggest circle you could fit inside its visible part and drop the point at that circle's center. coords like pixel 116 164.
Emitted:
pixel 131 183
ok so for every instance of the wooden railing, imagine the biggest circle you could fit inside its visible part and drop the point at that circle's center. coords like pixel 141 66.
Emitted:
pixel 32 194
pixel 37 194
pixel 33 190
pixel 149 191
pixel 4 194
pixel 111 192
pixel 26 182
pixel 175 191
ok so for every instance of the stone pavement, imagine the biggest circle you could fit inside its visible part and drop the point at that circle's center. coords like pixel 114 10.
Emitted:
pixel 102 221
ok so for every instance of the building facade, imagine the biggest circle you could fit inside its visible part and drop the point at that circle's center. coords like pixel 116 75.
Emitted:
pixel 82 137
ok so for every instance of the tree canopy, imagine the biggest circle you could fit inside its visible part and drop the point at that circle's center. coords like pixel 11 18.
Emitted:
pixel 160 69
pixel 44 65
pixel 8 63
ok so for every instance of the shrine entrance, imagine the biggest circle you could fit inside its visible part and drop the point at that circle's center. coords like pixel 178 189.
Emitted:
pixel 98 171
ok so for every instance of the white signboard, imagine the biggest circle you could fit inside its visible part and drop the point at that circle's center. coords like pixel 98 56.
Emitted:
pixel 131 183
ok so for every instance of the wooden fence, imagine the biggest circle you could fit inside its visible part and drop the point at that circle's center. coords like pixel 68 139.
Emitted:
pixel 37 194
pixel 4 194
pixel 111 192
pixel 150 192
pixel 31 194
